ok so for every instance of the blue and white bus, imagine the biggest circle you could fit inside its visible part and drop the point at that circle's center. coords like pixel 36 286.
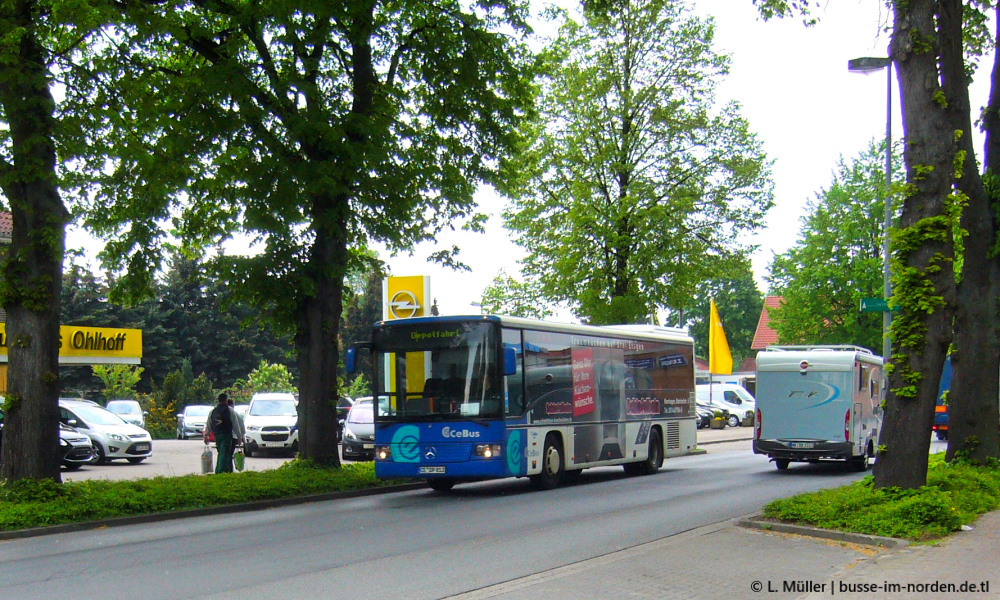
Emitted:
pixel 485 397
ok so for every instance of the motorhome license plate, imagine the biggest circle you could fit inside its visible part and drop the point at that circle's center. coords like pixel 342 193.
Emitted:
pixel 801 445
pixel 432 470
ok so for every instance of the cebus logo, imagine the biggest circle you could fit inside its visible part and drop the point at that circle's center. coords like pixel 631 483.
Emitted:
pixel 448 432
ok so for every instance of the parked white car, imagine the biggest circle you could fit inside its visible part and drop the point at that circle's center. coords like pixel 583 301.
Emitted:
pixel 271 423
pixel 734 398
pixel 111 436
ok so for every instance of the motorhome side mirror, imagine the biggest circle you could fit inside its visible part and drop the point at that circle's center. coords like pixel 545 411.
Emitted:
pixel 509 361
pixel 350 361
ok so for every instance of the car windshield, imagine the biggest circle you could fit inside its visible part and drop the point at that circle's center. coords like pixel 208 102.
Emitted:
pixel 197 411
pixel 361 413
pixel 439 370
pixel 95 415
pixel 122 408
pixel 273 408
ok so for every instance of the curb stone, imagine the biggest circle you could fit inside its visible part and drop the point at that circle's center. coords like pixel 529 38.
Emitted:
pixel 757 521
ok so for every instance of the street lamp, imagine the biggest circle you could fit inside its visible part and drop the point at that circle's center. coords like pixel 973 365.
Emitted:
pixel 869 64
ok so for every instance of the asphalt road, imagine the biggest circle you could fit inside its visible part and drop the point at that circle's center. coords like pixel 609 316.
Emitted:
pixel 416 544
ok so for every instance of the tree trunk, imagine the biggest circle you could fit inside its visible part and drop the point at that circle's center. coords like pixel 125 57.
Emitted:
pixel 973 415
pixel 922 250
pixel 32 270
pixel 318 334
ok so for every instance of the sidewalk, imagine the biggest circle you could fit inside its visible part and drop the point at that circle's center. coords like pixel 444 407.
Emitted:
pixel 726 560
pixel 729 434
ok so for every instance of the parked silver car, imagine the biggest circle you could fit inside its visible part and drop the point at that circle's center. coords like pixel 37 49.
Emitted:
pixel 191 421
pixel 111 436
pixel 128 410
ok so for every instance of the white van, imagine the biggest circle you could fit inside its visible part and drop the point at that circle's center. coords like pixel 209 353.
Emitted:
pixel 729 396
pixel 818 402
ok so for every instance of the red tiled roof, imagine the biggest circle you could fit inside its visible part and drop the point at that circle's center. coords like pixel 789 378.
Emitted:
pixel 749 365
pixel 765 336
pixel 6 224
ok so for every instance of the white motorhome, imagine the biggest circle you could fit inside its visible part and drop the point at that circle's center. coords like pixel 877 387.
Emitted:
pixel 818 402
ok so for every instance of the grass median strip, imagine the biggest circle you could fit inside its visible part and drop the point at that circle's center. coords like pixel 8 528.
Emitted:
pixel 955 494
pixel 40 503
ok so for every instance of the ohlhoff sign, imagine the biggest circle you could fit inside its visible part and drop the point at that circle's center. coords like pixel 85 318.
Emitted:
pixel 91 345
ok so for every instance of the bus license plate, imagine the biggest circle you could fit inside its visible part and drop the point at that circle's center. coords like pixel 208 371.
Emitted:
pixel 801 445
pixel 432 470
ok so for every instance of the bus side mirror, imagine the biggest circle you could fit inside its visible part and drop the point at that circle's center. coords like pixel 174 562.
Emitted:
pixel 509 361
pixel 350 361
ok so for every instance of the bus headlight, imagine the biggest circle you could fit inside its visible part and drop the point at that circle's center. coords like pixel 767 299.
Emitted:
pixel 488 450
pixel 383 452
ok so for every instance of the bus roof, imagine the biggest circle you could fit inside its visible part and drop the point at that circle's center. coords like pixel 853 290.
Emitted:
pixel 643 332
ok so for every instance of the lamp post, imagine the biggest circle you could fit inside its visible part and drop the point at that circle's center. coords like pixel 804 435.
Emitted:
pixel 869 64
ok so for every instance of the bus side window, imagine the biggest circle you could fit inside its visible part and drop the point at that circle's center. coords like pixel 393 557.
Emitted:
pixel 514 384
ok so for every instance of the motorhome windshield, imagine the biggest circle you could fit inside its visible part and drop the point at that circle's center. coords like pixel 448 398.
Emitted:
pixel 440 370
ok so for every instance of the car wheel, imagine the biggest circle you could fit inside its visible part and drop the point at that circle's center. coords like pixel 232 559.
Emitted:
pixel 99 457
pixel 552 465
pixel 71 466
pixel 136 460
pixel 248 450
pixel 734 421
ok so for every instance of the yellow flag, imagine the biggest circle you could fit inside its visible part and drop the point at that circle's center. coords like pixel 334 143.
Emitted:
pixel 720 360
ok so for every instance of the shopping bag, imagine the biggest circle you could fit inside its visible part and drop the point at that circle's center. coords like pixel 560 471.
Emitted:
pixel 206 460
pixel 238 459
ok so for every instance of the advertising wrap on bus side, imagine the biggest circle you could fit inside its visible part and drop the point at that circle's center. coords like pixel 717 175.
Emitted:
pixel 486 397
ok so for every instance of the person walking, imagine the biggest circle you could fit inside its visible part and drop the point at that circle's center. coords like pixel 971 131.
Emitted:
pixel 227 428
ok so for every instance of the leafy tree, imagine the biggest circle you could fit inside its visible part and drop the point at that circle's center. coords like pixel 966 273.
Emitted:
pixel 935 45
pixel 362 309
pixel 739 303
pixel 119 380
pixel 181 388
pixel 270 378
pixel 313 127
pixel 508 296
pixel 633 187
pixel 32 266
pixel 837 259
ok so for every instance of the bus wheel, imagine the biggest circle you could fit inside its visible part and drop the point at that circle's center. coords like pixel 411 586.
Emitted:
pixel 441 485
pixel 654 460
pixel 552 465
pixel 781 463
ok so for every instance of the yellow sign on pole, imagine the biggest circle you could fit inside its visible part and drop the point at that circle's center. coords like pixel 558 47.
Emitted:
pixel 405 298
pixel 91 345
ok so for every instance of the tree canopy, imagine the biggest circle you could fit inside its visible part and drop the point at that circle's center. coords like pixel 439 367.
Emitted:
pixel 313 128
pixel 633 187
pixel 837 260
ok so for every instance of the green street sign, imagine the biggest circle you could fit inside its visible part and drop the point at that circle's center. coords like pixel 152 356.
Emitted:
pixel 874 305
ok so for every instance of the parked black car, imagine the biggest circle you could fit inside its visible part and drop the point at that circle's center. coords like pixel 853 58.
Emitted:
pixel 75 447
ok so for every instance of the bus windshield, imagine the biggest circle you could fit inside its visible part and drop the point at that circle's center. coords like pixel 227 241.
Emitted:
pixel 438 371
